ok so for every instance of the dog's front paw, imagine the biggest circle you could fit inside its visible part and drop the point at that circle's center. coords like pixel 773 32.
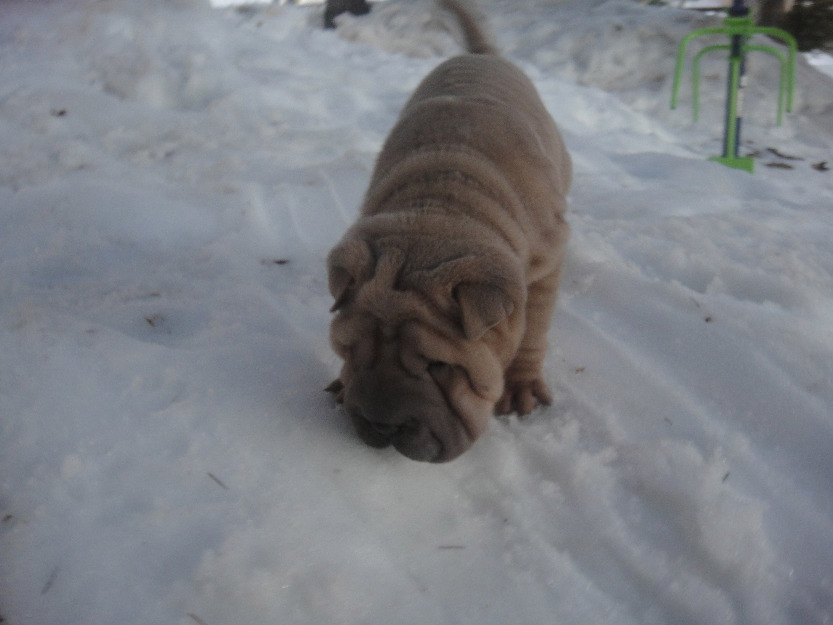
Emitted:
pixel 522 396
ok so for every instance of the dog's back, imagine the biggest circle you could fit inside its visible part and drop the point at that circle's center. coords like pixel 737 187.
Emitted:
pixel 485 111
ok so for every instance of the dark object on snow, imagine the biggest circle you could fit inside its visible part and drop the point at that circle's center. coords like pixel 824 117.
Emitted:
pixel 337 7
pixel 771 13
pixel 811 22
pixel 780 154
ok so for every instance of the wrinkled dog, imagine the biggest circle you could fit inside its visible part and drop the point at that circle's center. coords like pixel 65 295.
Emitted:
pixel 445 286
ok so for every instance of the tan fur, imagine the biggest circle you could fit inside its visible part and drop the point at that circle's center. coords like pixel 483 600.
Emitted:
pixel 445 286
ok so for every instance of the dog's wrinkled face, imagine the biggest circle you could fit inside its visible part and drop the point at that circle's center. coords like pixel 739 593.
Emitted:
pixel 399 391
pixel 418 373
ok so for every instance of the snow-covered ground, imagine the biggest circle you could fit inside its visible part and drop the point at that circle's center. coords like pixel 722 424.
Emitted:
pixel 821 61
pixel 171 179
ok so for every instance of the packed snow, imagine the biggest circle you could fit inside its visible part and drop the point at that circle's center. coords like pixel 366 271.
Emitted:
pixel 172 177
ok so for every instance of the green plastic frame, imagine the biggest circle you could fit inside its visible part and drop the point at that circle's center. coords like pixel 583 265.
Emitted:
pixel 743 28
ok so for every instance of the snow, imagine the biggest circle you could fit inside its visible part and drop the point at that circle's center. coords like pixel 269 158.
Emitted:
pixel 821 61
pixel 172 177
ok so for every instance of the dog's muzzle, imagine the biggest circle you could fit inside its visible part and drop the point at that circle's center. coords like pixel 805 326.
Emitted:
pixel 410 414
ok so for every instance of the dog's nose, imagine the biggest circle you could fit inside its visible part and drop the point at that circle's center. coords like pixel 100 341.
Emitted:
pixel 389 430
pixel 384 429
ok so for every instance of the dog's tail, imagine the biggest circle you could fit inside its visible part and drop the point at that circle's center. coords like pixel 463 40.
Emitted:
pixel 477 40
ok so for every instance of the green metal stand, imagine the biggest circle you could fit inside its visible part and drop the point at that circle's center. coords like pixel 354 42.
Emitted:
pixel 740 28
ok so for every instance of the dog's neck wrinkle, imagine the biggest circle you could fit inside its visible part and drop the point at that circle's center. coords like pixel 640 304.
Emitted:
pixel 431 176
pixel 429 164
pixel 425 227
pixel 460 206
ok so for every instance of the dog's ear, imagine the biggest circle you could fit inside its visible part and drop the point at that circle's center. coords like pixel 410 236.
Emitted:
pixel 482 307
pixel 477 290
pixel 349 264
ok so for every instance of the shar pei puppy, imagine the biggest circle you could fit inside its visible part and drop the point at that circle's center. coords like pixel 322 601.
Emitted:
pixel 445 286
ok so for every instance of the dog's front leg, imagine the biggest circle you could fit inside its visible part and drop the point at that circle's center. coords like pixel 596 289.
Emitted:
pixel 524 386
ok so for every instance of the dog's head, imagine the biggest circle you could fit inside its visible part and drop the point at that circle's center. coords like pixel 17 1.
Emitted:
pixel 425 332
